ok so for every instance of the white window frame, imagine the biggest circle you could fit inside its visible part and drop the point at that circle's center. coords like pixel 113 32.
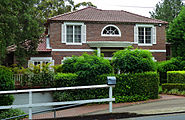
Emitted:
pixel 106 35
pixel 48 43
pixel 136 34
pixel 40 59
pixel 83 32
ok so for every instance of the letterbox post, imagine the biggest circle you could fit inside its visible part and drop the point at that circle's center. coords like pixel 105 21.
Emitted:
pixel 110 96
pixel 111 81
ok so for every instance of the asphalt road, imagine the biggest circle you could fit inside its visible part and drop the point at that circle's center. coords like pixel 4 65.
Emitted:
pixel 180 116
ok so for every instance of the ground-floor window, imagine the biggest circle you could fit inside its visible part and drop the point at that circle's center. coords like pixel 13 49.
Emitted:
pixel 40 60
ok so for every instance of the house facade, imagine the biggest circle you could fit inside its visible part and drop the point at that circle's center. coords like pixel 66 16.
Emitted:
pixel 106 31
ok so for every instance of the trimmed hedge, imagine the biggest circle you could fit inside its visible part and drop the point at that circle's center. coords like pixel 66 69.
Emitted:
pixel 174 64
pixel 170 86
pixel 176 76
pixel 129 87
pixel 65 79
pixel 135 87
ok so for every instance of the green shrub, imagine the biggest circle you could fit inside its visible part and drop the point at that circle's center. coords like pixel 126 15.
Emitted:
pixel 6 83
pixel 58 68
pixel 11 113
pixel 138 86
pixel 176 76
pixel 174 92
pixel 174 64
pixel 170 86
pixel 42 79
pixel 133 61
pixel 69 79
pixel 87 67
pixel 65 79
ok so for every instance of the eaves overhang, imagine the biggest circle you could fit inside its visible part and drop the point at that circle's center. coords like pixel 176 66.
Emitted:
pixel 109 43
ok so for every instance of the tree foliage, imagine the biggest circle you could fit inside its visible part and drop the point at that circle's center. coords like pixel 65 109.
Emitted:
pixel 176 35
pixel 167 10
pixel 133 61
pixel 50 8
pixel 18 27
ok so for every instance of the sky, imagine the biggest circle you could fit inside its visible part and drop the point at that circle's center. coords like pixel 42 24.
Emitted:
pixel 141 7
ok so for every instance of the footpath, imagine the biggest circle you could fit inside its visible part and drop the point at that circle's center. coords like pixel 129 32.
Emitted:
pixel 167 104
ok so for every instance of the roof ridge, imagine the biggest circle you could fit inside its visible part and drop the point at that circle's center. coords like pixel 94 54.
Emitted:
pixel 144 16
pixel 137 15
pixel 72 12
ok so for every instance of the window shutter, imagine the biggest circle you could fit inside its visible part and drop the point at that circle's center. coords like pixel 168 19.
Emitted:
pixel 63 33
pixel 135 34
pixel 154 35
pixel 83 33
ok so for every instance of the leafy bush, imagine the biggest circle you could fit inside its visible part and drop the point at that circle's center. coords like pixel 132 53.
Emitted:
pixel 176 76
pixel 87 67
pixel 6 83
pixel 42 79
pixel 135 87
pixel 174 64
pixel 133 61
pixel 170 86
pixel 58 68
pixel 65 79
pixel 11 113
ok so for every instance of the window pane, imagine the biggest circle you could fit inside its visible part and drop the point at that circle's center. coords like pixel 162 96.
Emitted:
pixel 148 35
pixel 148 39
pixel 70 34
pixel 141 39
pixel 77 34
pixel 110 31
pixel 141 35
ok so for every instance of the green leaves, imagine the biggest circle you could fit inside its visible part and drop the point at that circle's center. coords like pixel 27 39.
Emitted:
pixel 167 10
pixel 19 28
pixel 87 67
pixel 176 34
pixel 133 61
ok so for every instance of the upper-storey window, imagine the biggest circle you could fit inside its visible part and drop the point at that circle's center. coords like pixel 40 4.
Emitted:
pixel 145 35
pixel 111 30
pixel 73 33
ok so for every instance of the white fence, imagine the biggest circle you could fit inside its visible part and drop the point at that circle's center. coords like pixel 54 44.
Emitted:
pixel 30 105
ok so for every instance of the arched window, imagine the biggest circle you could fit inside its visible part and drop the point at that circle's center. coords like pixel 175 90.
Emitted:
pixel 111 30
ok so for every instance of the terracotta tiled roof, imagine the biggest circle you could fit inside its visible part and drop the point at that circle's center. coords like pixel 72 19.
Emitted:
pixel 98 15
pixel 42 46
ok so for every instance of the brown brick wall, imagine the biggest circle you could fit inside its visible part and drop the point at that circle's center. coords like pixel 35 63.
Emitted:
pixel 160 56
pixel 94 34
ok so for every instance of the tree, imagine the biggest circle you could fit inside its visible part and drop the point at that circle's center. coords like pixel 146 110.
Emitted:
pixel 50 8
pixel 19 27
pixel 176 34
pixel 167 10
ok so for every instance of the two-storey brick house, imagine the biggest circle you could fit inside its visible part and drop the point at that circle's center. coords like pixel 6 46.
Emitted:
pixel 106 31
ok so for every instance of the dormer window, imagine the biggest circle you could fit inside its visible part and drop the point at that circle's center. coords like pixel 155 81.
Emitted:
pixel 111 30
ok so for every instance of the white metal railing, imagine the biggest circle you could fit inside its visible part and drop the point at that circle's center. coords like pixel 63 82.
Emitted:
pixel 30 105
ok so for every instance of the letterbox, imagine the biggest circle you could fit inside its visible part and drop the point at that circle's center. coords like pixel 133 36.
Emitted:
pixel 111 80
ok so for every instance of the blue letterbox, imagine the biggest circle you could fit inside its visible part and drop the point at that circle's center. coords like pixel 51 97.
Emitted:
pixel 111 80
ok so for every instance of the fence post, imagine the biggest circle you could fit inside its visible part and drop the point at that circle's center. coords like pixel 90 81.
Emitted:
pixel 110 96
pixel 30 103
